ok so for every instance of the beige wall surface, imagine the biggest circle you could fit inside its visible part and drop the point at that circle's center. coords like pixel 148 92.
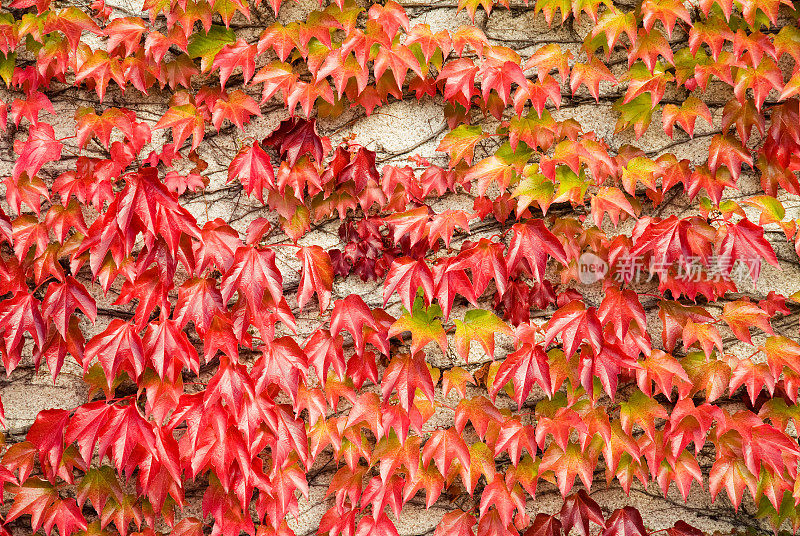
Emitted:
pixel 397 131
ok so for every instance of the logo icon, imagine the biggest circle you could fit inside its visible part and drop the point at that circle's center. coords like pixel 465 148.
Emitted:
pixel 591 268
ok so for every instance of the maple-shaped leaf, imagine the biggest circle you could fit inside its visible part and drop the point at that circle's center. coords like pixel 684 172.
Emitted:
pixel 405 374
pixel 480 325
pixel 611 201
pixel 575 323
pixel 459 80
pixel 206 45
pixel 682 528
pixel 253 168
pixel 502 499
pixel 663 370
pixel 165 345
pixel 578 510
pixel 62 299
pixel 590 74
pixel 732 474
pixel 534 187
pixel 625 521
pixel 620 308
pixel 674 239
pixel 118 346
pixel 744 241
pixel 233 55
pixel 443 225
pixel 763 78
pixel 741 315
pixel 353 315
pixel 728 151
pixel 665 12
pixel 443 447
pixel 40 147
pixel 686 115
pixel 184 120
pixel 544 525
pixel 424 324
pixel 526 366
pixel 296 137
pixel 199 300
pixel 485 261
pixel 406 276
pixel 252 273
pixel 236 107
pixel 637 114
pixel 125 32
pixel 316 276
pixel 64 514
pixel 19 314
pixel 456 379
pixel 456 523
pixel 781 352
pixel 567 464
pixel 460 143
pixel 324 352
pixel 33 497
pixel 531 244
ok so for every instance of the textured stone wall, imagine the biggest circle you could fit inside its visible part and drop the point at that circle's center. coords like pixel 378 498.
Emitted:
pixel 398 131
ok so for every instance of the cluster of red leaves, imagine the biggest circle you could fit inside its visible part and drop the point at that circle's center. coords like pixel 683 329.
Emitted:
pixel 206 387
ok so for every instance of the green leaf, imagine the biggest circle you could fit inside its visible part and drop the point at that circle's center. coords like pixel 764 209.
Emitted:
pixel 514 157
pixel 478 325
pixel 637 114
pixel 206 45
pixel 460 143
pixel 534 187
pixel 570 186
pixel 424 324
pixel 7 64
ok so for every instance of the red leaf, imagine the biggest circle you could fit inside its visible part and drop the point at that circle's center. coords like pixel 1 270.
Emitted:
pixel 578 510
pixel 625 522
pixel 40 147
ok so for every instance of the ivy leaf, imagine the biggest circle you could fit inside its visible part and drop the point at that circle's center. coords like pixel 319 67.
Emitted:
pixel 406 276
pixel 611 201
pixel 636 113
pixel 575 323
pixel 253 168
pixel 424 325
pixel 625 521
pixel 34 497
pixel 741 315
pixel 40 147
pixel 353 315
pixel 185 121
pixel 459 80
pixel 443 447
pixel 480 325
pixel 62 299
pixel 460 143
pixel 534 187
pixel 206 45
pixel 544 525
pixel 456 523
pixel 728 151
pixel 527 365
pixel 406 373
pixel 531 244
pixel 685 116
pixel 485 261
pixel 316 276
